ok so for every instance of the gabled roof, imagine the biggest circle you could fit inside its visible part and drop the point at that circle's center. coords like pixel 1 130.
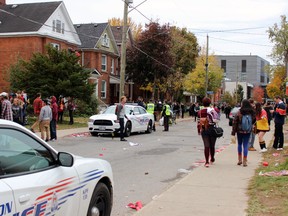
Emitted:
pixel 29 17
pixel 117 32
pixel 90 34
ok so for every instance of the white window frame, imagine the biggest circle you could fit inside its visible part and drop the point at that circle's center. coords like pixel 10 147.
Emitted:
pixel 55 45
pixel 104 63
pixel 103 89
pixel 112 65
pixel 58 26
pixel 105 41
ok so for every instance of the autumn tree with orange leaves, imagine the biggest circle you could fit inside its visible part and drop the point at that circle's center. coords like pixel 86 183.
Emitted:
pixel 277 84
pixel 258 94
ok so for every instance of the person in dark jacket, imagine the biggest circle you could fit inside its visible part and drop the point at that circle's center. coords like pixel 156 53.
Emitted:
pixel 279 114
pixel 242 136
pixel 53 122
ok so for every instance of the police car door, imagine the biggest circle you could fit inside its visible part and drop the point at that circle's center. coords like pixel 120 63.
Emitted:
pixel 7 206
pixel 39 185
pixel 144 118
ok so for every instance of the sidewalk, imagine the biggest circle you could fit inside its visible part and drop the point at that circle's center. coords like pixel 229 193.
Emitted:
pixel 219 190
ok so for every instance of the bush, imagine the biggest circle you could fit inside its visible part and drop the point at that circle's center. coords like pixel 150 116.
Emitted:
pixel 83 108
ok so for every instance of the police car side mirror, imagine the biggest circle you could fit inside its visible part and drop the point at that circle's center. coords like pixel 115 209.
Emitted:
pixel 65 159
pixel 131 112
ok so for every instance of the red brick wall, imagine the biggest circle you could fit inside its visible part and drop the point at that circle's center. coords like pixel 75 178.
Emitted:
pixel 14 48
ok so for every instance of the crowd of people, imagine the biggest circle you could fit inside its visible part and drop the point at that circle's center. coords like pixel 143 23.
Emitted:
pixel 48 112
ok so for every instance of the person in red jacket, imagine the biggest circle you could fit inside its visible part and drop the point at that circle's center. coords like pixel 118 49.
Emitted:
pixel 37 105
pixel 53 122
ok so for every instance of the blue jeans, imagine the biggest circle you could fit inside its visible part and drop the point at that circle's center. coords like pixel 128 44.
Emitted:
pixel 53 129
pixel 243 140
pixel 251 140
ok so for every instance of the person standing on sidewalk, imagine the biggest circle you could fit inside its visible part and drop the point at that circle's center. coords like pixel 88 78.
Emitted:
pixel 246 111
pixel 205 120
pixel 120 112
pixel 53 122
pixel 37 105
pixel 44 118
pixel 262 125
pixel 71 108
pixel 6 107
pixel 252 135
pixel 279 114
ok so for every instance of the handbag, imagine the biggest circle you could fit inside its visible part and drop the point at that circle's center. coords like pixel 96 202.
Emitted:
pixel 215 131
pixel 262 124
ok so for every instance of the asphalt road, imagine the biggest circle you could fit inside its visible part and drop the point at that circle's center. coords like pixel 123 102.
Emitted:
pixel 147 164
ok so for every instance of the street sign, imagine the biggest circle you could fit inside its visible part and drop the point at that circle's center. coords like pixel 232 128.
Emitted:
pixel 210 92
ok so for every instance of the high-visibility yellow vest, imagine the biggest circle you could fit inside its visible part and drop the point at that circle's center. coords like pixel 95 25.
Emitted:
pixel 150 108
pixel 167 111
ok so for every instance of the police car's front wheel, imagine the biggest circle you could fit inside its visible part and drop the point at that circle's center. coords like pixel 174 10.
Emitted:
pixel 128 129
pixel 149 127
pixel 100 204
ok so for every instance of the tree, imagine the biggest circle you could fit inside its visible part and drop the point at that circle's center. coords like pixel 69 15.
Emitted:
pixel 195 80
pixel 136 29
pixel 258 94
pixel 149 59
pixel 277 86
pixel 228 98
pixel 239 94
pixel 279 36
pixel 55 73
pixel 185 51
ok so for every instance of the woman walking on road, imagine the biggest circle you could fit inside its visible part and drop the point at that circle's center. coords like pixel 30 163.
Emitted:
pixel 262 125
pixel 205 120
pixel 243 134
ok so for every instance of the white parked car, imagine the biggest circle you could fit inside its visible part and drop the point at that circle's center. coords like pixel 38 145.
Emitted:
pixel 139 120
pixel 37 180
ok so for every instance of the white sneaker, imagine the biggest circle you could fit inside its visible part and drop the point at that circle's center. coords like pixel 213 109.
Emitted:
pixel 279 149
pixel 263 150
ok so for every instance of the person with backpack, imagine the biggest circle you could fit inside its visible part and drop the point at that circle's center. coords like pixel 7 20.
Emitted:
pixel 262 125
pixel 206 120
pixel 242 125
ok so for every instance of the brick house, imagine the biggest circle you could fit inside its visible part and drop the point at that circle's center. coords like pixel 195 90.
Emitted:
pixel 27 28
pixel 100 54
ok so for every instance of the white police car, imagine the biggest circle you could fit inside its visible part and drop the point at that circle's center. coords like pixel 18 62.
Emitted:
pixel 37 180
pixel 138 121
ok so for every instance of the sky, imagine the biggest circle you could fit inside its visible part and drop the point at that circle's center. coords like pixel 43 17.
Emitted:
pixel 233 27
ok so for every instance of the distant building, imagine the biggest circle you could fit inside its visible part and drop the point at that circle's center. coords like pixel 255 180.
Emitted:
pixel 245 70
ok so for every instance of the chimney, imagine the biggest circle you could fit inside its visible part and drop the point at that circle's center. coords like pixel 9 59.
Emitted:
pixel 2 2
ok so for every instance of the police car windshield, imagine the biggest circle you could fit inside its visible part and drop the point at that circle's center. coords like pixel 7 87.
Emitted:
pixel 110 110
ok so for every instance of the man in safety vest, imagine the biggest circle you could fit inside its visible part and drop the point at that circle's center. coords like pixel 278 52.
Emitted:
pixel 150 107
pixel 166 114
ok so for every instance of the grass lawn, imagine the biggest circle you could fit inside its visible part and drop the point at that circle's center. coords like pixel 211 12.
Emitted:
pixel 78 122
pixel 268 194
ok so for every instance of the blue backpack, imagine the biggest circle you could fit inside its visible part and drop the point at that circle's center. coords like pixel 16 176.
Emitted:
pixel 246 123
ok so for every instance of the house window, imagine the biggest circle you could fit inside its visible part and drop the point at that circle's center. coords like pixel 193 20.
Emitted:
pixel 223 65
pixel 104 63
pixel 105 41
pixel 103 89
pixel 55 45
pixel 112 66
pixel 244 66
pixel 58 26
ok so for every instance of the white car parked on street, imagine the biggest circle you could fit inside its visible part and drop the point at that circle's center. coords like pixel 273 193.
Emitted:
pixel 37 180
pixel 138 120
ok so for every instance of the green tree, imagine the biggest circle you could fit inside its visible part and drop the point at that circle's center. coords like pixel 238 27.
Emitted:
pixel 185 51
pixel 278 34
pixel 277 86
pixel 195 80
pixel 149 59
pixel 228 98
pixel 55 73
pixel 239 94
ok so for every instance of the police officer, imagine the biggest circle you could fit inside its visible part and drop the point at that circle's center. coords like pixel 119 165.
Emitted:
pixel 150 109
pixel 166 114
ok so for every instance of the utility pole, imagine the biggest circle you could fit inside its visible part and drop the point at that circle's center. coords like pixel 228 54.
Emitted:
pixel 123 49
pixel 206 67
pixel 237 84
